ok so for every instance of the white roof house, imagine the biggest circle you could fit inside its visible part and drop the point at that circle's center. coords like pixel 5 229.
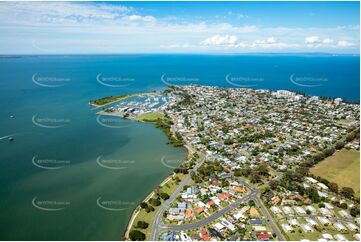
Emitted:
pixel 300 210
pixel 340 237
pixel 238 215
pixel 322 186
pixel 328 206
pixel 311 180
pixel 229 226
pixel 323 220
pixel 275 210
pixel 216 200
pixel 311 221
pixel 287 210
pixel 357 237
pixel 312 209
pixel 322 194
pixel 219 226
pixel 352 226
pixel 325 211
pixel 344 213
pixel 293 222
pixel 287 227
pixel 339 226
pixel 201 204
pixel 327 236
pixel 307 228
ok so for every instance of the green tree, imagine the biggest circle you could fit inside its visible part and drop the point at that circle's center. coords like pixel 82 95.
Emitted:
pixel 339 145
pixel 136 235
pixel 333 187
pixel 348 192
pixel 154 201
pixel 355 211
pixel 143 205
pixel 164 195
pixel 142 225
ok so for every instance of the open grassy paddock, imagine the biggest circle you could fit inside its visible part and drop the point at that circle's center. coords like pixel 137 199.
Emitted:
pixel 342 168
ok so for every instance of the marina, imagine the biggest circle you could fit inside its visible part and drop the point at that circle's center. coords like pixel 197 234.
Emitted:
pixel 135 106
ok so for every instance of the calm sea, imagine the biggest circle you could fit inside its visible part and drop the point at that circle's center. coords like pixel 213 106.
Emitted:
pixel 72 175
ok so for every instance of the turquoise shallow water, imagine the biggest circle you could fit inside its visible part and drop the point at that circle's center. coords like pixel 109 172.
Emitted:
pixel 79 143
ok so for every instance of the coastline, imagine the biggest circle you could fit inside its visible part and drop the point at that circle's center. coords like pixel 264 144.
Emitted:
pixel 137 209
pixel 96 106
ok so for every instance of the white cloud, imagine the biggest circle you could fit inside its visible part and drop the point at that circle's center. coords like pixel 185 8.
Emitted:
pixel 272 43
pixel 312 40
pixel 345 43
pixel 327 41
pixel 126 29
pixel 140 18
pixel 317 42
pixel 219 40
pixel 176 46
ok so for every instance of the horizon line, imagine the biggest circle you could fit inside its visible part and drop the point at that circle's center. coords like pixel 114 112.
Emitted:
pixel 176 53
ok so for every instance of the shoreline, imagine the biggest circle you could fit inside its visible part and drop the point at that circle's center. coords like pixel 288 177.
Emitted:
pixel 150 195
pixel 96 106
pixel 168 131
pixel 137 209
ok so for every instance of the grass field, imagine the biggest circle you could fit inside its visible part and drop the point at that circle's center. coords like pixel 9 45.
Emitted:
pixel 150 117
pixel 342 168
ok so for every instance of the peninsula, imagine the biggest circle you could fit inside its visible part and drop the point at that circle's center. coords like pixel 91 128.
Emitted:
pixel 251 172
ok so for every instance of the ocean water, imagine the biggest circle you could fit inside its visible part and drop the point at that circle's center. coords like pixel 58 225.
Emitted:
pixel 72 175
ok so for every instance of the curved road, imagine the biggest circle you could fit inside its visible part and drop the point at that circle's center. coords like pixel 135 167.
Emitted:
pixel 157 225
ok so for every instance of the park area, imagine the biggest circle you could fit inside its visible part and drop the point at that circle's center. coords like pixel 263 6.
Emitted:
pixel 343 168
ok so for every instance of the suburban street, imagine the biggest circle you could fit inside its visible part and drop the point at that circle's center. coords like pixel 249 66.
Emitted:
pixel 270 220
pixel 158 225
pixel 157 222
pixel 211 218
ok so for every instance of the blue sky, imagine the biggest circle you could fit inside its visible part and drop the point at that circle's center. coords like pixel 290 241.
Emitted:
pixel 178 27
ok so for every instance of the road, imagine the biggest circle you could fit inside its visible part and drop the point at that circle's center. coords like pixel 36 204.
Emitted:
pixel 270 220
pixel 214 216
pixel 157 222
pixel 158 226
